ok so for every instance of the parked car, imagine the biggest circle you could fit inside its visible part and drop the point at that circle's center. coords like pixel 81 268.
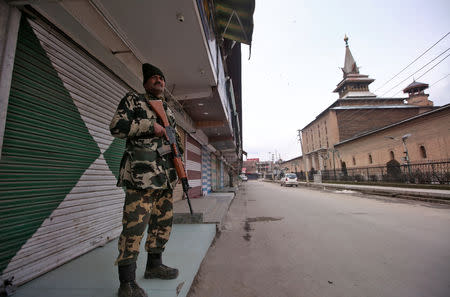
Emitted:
pixel 244 177
pixel 290 179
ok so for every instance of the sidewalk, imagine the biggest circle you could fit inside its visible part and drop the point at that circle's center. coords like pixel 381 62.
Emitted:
pixel 415 192
pixel 214 207
pixel 430 195
pixel 94 273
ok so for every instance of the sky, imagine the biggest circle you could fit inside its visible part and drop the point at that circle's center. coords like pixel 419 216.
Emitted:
pixel 298 49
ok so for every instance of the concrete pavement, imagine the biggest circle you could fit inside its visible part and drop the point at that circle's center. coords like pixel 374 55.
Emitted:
pixel 286 242
pixel 94 273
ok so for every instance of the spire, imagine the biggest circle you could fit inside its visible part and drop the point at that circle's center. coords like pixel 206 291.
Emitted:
pixel 354 84
pixel 349 64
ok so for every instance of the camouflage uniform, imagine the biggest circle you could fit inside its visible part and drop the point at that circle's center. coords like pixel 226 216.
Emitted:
pixel 148 175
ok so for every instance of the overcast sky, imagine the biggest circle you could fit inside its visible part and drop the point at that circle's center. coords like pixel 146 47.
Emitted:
pixel 298 48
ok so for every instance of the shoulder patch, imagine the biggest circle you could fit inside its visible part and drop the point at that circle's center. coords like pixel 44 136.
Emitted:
pixel 132 94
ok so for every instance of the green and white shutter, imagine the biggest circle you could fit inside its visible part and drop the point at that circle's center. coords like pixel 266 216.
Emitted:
pixel 59 163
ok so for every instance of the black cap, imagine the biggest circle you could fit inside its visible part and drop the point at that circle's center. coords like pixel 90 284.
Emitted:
pixel 148 70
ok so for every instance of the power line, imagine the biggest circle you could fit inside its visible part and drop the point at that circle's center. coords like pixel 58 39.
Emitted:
pixel 413 61
pixel 429 69
pixel 418 71
pixel 439 80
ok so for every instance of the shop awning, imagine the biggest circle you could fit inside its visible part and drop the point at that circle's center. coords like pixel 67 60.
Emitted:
pixel 234 19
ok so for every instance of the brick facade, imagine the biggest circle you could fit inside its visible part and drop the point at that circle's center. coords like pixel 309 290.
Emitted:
pixel 250 166
pixel 355 121
pixel 293 165
pixel 358 111
pixel 429 140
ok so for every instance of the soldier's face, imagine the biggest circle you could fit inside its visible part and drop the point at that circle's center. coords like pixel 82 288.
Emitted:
pixel 155 85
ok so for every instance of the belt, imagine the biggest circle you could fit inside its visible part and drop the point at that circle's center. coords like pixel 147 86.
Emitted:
pixel 164 150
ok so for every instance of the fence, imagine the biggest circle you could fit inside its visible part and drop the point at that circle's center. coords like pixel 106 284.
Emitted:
pixel 436 172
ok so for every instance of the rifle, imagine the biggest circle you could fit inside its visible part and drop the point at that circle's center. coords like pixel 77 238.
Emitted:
pixel 158 108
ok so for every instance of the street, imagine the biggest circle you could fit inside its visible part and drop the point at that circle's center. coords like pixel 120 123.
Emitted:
pixel 297 242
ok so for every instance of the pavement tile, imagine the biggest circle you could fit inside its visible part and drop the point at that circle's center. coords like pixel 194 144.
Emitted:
pixel 94 273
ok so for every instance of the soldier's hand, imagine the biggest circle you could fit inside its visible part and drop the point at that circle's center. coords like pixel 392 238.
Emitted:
pixel 159 130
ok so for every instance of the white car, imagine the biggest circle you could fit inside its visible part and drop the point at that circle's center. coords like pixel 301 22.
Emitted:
pixel 244 177
pixel 289 179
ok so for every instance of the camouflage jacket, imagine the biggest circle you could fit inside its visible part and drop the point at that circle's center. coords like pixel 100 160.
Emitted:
pixel 142 166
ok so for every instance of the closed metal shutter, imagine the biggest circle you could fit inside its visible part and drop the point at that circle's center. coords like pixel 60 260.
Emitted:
pixel 58 194
pixel 206 171
pixel 213 172
pixel 218 173
pixel 194 166
pixel 226 176
pixel 222 170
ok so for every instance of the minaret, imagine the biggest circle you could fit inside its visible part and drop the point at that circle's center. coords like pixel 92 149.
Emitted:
pixel 417 95
pixel 349 63
pixel 353 84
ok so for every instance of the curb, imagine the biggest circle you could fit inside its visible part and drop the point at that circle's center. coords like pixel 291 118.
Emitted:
pixel 401 193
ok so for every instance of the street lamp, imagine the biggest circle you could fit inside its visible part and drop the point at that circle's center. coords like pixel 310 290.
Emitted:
pixel 404 137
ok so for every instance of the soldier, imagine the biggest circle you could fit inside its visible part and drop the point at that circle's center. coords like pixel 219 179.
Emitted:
pixel 148 173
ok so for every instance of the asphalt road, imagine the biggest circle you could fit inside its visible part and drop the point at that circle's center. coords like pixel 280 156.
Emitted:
pixel 298 242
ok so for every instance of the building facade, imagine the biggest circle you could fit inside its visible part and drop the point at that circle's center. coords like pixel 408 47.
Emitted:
pixel 65 66
pixel 419 139
pixel 356 111
pixel 294 165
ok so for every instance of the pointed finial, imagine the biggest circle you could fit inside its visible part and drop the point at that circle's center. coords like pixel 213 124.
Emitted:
pixel 346 40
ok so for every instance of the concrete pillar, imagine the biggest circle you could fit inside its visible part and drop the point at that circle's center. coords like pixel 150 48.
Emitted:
pixel 320 162
pixel 9 28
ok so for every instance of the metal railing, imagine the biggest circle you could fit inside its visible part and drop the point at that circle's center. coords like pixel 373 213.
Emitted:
pixel 433 172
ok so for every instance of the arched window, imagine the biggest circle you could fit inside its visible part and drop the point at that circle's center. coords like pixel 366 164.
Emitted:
pixel 370 159
pixel 392 155
pixel 423 152
pixel 354 161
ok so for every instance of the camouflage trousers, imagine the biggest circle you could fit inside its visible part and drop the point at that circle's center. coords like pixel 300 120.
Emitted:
pixel 141 208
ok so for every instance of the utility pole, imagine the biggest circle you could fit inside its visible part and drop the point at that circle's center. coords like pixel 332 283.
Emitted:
pixel 273 165
pixel 303 154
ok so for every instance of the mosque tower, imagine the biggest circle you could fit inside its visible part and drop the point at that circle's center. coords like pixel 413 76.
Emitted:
pixel 417 95
pixel 353 84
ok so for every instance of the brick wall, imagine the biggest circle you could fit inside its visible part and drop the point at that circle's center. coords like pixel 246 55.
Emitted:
pixel 356 121
pixel 321 133
pixel 430 132
pixel 294 165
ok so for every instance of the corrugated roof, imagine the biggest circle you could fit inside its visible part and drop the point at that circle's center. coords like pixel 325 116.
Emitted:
pixel 359 94
pixel 373 107
pixel 296 158
pixel 415 84
pixel 369 98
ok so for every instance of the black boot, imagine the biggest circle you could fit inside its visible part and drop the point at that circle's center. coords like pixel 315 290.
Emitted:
pixel 156 269
pixel 128 286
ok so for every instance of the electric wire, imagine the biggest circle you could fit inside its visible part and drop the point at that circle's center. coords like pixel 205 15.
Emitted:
pixel 439 80
pixel 434 66
pixel 413 61
pixel 365 113
pixel 418 71
pixel 429 70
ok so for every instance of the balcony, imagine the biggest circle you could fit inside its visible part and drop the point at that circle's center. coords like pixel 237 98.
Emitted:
pixel 177 36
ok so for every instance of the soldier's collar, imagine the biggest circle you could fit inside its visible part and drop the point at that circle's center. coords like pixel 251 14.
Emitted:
pixel 150 96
